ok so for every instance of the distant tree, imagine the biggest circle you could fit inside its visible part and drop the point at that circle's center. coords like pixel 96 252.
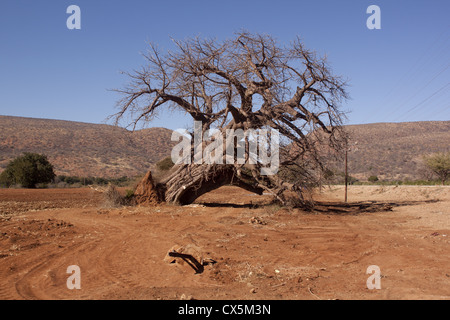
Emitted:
pixel 439 163
pixel 28 170
pixel 373 179
pixel 165 164
pixel 351 180
pixel 328 174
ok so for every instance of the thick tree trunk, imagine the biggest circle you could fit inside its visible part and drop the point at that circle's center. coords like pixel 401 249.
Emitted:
pixel 188 182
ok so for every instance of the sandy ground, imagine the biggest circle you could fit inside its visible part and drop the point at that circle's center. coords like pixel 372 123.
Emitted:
pixel 249 248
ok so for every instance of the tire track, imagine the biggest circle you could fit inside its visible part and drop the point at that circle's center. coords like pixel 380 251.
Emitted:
pixel 43 276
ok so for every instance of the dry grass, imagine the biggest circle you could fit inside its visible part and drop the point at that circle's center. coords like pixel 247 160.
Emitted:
pixel 112 198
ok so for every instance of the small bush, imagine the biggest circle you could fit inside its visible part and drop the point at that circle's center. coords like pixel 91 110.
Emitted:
pixel 129 194
pixel 113 198
pixel 165 164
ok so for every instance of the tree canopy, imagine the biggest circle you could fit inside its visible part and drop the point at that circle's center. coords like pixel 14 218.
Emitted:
pixel 247 82
pixel 439 164
pixel 28 170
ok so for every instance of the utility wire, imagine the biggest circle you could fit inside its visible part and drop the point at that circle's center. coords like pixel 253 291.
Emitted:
pixel 417 92
pixel 426 99
pixel 413 70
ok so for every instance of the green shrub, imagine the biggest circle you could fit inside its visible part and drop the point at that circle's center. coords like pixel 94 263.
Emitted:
pixel 439 164
pixel 165 164
pixel 129 194
pixel 28 170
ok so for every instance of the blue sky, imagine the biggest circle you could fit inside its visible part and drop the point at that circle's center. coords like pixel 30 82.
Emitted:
pixel 398 73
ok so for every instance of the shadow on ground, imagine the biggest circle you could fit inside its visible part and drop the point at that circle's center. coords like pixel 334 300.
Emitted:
pixel 354 208
pixel 326 207
pixel 233 205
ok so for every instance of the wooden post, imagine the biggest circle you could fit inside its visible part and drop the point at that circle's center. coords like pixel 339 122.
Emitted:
pixel 346 175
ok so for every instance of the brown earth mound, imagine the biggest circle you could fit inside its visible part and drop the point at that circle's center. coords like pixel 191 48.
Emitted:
pixel 145 193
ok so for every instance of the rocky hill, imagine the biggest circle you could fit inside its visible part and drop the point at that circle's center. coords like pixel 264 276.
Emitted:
pixel 393 151
pixel 387 150
pixel 84 149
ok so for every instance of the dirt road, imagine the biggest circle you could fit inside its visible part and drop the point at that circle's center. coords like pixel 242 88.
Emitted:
pixel 251 249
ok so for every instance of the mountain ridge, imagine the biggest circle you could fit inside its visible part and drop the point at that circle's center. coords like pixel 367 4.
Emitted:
pixel 394 151
pixel 386 149
pixel 84 149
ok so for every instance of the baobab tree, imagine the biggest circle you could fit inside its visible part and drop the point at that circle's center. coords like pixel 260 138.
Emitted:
pixel 248 82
